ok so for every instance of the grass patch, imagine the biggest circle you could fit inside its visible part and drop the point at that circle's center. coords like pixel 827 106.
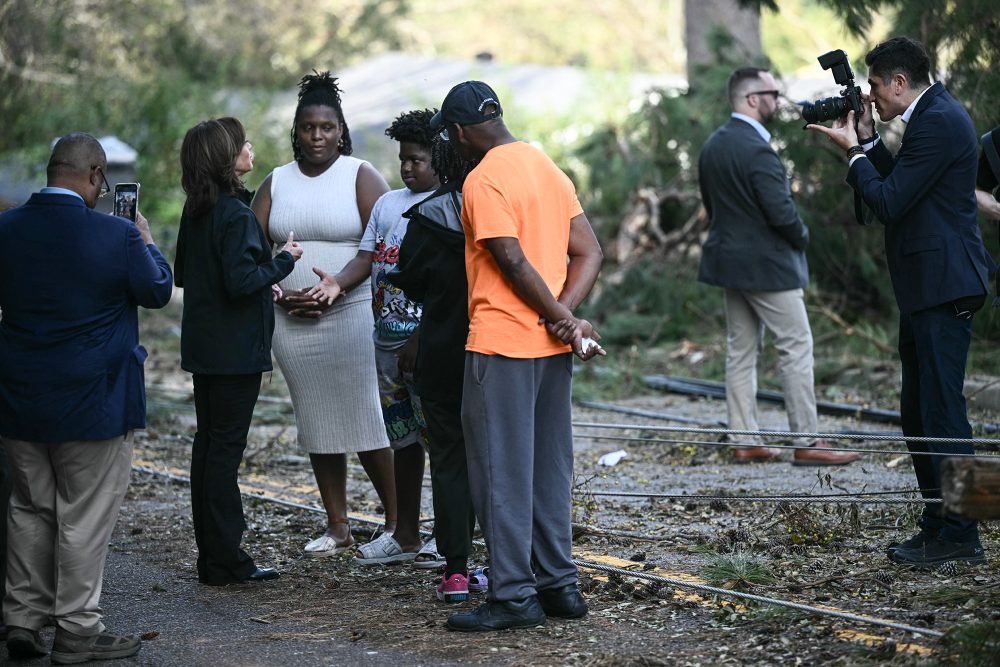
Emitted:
pixel 972 645
pixel 946 595
pixel 738 570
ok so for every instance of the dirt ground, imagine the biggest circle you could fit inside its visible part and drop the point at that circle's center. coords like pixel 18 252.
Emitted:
pixel 816 554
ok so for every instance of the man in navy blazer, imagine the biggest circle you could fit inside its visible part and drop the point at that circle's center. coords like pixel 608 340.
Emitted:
pixel 71 393
pixel 925 196
pixel 756 251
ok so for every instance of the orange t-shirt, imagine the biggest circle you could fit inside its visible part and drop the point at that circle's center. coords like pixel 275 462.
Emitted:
pixel 516 191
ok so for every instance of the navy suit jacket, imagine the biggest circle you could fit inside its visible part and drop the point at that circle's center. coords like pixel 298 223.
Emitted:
pixel 70 283
pixel 926 197
pixel 756 241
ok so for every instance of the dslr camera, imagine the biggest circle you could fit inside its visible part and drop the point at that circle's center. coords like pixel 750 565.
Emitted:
pixel 835 107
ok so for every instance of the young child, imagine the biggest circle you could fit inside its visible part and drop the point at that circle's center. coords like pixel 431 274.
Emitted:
pixel 396 320
pixel 431 269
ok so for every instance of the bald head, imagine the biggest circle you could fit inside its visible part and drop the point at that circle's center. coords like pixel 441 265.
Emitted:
pixel 78 163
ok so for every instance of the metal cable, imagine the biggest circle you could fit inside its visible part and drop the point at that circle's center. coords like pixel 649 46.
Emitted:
pixel 608 568
pixel 729 445
pixel 790 434
pixel 704 588
pixel 774 499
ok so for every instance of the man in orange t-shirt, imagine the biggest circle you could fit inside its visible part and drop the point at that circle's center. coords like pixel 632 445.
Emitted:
pixel 531 257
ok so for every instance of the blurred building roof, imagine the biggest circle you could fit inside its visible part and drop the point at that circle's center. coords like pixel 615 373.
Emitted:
pixel 379 89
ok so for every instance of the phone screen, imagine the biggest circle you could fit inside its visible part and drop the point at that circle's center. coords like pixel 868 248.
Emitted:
pixel 126 200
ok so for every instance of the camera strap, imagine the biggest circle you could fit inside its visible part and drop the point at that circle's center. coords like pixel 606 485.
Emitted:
pixel 862 213
pixel 990 151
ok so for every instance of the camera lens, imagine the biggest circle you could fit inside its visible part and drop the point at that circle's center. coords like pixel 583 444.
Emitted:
pixel 823 110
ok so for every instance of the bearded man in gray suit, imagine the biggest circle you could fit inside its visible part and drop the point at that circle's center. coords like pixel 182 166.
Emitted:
pixel 755 251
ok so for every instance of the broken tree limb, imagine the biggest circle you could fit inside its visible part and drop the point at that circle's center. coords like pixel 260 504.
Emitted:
pixel 971 487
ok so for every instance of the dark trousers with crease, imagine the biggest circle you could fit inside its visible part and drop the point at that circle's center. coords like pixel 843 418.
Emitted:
pixel 454 518
pixel 933 348
pixel 224 406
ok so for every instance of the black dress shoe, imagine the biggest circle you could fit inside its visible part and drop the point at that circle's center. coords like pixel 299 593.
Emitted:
pixel 938 551
pixel 563 602
pixel 497 615
pixel 264 574
pixel 920 539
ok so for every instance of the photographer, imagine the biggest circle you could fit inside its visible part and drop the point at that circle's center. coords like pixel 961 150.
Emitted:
pixel 988 178
pixel 925 197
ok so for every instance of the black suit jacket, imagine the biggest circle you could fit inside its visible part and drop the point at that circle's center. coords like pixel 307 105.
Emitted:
pixel 756 241
pixel 225 266
pixel 925 195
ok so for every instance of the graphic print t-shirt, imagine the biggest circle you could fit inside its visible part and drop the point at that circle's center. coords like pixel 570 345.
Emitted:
pixel 396 316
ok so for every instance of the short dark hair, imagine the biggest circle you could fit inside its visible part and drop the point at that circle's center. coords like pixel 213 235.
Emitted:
pixel 900 55
pixel 736 80
pixel 320 89
pixel 414 127
pixel 75 152
pixel 208 163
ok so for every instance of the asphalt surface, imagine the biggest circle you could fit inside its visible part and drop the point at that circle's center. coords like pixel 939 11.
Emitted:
pixel 199 625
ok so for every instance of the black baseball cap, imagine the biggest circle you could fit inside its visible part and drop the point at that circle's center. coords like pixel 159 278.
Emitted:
pixel 468 103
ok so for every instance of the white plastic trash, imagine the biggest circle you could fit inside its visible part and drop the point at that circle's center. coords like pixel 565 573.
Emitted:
pixel 612 458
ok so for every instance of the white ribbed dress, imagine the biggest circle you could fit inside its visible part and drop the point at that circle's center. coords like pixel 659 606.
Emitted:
pixel 328 363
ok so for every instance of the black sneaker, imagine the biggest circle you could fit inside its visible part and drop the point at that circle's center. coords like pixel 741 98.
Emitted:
pixel 24 644
pixel 939 551
pixel 563 602
pixel 920 539
pixel 495 615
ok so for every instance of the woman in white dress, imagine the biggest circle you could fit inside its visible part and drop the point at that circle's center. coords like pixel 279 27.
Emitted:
pixel 325 352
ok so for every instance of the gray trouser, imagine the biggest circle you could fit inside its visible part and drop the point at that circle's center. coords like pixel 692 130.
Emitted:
pixel 516 416
pixel 62 513
pixel 784 313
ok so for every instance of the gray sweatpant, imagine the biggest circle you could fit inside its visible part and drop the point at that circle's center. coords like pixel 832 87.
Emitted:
pixel 516 416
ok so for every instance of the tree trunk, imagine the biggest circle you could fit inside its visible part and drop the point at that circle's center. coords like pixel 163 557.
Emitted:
pixel 971 487
pixel 703 17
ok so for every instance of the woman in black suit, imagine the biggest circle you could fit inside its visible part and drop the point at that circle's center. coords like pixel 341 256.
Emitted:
pixel 225 266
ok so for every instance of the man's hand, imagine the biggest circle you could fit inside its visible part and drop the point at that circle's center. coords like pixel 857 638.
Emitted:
pixel 842 133
pixel 580 334
pixel 143 226
pixel 327 290
pixel 866 124
pixel 292 247
pixel 989 207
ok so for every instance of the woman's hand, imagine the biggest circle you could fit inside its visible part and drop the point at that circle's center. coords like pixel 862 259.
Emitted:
pixel 327 290
pixel 292 247
pixel 300 304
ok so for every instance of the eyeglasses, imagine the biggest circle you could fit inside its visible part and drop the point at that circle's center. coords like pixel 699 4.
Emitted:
pixel 106 188
pixel 774 93
pixel 443 134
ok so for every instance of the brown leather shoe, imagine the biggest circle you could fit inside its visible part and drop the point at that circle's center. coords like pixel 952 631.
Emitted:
pixel 822 453
pixel 752 454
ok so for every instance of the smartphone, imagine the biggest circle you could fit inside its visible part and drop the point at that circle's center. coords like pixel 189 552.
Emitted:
pixel 126 200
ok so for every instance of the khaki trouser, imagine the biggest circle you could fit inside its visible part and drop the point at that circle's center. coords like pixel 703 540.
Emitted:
pixel 63 508
pixel 784 313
